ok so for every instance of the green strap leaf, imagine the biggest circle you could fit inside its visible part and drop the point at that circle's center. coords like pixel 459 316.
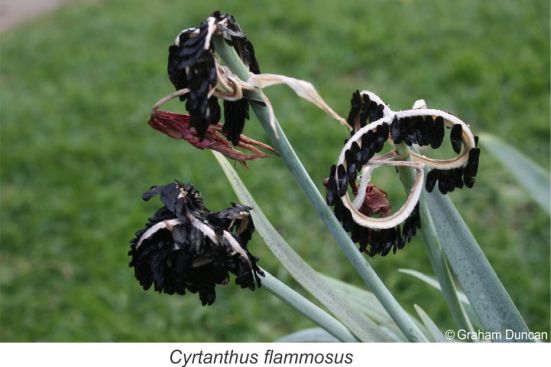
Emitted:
pixel 435 284
pixel 432 282
pixel 529 175
pixel 430 325
pixel 488 297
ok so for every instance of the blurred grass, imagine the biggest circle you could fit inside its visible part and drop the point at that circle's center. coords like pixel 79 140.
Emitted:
pixel 77 86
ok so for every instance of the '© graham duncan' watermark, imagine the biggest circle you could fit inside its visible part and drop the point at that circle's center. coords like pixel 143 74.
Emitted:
pixel 507 335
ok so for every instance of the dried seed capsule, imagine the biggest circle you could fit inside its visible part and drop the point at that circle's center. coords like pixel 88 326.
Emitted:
pixel 176 252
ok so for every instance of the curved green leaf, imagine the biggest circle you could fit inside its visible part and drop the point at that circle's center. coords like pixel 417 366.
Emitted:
pixel 432 282
pixel 430 325
pixel 529 175
pixel 435 284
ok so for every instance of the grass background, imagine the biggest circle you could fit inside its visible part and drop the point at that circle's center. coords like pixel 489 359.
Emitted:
pixel 76 89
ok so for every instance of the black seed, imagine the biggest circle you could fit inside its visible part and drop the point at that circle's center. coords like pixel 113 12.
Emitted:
pixel 249 57
pixel 437 133
pixel 364 113
pixel 431 179
pixel 355 106
pixel 395 131
pixel 356 233
pixel 385 130
pixel 352 173
pixel 421 132
pixel 364 238
pixel 235 114
pixel 357 153
pixel 400 242
pixel 347 221
pixel 471 169
pixel 339 209
pixel 458 175
pixel 342 180
pixel 410 136
pixel 385 248
pixel 388 237
pixel 450 180
pixel 367 151
pixel 442 186
pixel 417 216
pixel 469 181
pixel 349 158
pixel 331 192
pixel 456 137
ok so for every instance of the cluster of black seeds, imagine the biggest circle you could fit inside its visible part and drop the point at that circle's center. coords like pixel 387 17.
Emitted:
pixel 420 130
pixel 180 256
pixel 362 111
pixel 378 241
pixel 448 180
pixel 426 130
pixel 191 66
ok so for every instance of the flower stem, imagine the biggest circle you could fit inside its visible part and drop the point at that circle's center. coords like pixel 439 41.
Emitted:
pixel 306 308
pixel 282 145
pixel 434 249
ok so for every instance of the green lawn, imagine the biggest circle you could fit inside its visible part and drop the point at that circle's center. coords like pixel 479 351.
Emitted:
pixel 76 89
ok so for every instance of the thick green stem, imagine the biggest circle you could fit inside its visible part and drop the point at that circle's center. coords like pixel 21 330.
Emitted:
pixel 306 308
pixel 286 152
pixel 434 249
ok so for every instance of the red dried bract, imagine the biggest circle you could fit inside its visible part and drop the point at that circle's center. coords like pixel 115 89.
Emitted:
pixel 375 202
pixel 177 126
